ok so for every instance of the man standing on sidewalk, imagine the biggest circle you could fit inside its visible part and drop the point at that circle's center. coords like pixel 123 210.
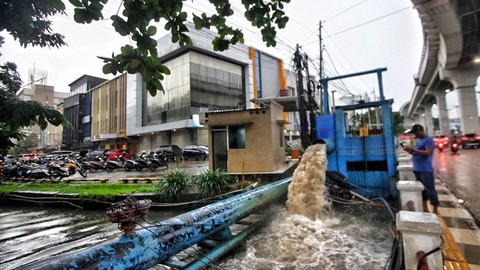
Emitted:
pixel 422 157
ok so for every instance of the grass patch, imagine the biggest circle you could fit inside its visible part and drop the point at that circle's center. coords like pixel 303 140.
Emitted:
pixel 91 191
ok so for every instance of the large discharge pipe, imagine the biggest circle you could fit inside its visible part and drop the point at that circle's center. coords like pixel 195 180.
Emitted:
pixel 156 244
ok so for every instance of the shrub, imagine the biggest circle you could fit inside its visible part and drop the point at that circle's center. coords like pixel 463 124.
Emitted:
pixel 210 183
pixel 173 183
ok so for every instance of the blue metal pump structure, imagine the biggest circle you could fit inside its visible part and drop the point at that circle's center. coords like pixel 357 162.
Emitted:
pixel 364 153
pixel 156 244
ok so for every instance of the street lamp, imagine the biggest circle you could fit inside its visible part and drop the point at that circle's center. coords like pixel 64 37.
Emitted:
pixel 476 60
pixel 447 90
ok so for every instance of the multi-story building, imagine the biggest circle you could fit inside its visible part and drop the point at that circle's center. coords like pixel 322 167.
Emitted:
pixel 45 95
pixel 201 80
pixel 108 116
pixel 77 110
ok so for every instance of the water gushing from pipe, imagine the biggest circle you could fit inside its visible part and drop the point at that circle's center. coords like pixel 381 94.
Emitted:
pixel 306 191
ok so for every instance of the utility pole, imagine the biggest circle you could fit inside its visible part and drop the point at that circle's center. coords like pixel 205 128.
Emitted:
pixel 301 99
pixel 321 66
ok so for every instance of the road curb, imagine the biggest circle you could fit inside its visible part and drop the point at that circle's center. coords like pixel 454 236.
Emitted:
pixel 136 180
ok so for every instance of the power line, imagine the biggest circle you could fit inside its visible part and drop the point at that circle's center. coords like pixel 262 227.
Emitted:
pixel 345 10
pixel 348 61
pixel 370 21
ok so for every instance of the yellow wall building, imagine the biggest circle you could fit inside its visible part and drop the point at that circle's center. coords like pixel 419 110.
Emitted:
pixel 247 141
pixel 109 114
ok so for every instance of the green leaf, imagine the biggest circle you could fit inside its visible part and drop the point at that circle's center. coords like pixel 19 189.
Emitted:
pixel 151 31
pixel 76 3
pixel 107 68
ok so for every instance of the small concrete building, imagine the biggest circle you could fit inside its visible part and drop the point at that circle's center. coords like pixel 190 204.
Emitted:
pixel 247 141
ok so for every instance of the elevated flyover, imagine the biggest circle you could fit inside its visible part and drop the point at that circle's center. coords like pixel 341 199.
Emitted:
pixel 450 61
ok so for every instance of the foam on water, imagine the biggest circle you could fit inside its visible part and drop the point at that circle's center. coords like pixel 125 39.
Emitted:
pixel 306 191
pixel 337 241
pixel 305 236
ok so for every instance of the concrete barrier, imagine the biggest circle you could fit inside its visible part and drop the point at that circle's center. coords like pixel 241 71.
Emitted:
pixel 101 180
pixel 136 180
pixel 407 160
pixel 405 172
pixel 411 195
pixel 421 234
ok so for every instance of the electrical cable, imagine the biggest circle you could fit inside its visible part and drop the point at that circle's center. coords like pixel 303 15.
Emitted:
pixel 345 10
pixel 420 261
pixel 370 21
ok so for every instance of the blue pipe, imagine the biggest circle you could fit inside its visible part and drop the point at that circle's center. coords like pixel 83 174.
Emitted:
pixel 156 244
pixel 329 143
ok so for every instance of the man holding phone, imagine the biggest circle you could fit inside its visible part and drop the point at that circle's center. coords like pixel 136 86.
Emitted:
pixel 422 157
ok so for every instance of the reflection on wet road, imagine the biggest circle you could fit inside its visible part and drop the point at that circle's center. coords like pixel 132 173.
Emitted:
pixel 28 234
pixel 461 172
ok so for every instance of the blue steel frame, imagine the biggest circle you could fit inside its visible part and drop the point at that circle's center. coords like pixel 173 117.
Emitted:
pixel 353 149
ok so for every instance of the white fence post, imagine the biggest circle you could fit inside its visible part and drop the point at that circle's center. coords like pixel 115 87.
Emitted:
pixel 421 234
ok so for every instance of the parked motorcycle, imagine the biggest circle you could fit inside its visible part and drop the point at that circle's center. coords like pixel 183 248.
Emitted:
pixel 156 161
pixel 74 166
pixel 111 165
pixel 96 164
pixel 142 162
pixel 38 172
pixel 129 164
pixel 57 169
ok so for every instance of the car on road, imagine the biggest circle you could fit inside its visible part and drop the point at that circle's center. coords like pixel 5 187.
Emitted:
pixel 470 140
pixel 194 152
pixel 173 152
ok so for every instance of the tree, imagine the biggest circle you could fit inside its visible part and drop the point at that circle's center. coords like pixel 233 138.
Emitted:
pixel 398 123
pixel 16 114
pixel 27 144
pixel 28 21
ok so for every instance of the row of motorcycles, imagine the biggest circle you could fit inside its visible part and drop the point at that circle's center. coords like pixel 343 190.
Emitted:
pixel 49 169
pixel 58 168
pixel 150 161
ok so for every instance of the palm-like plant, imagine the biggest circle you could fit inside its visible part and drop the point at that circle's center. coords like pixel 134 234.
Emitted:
pixel 173 183
pixel 210 183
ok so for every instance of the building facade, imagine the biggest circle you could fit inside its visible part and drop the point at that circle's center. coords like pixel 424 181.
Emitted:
pixel 247 141
pixel 201 80
pixel 77 110
pixel 108 117
pixel 47 139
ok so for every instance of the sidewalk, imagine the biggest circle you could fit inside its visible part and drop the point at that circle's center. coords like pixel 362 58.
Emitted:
pixel 462 237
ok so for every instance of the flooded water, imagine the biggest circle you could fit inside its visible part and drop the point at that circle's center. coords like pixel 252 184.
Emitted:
pixel 345 238
pixel 28 234
pixel 307 236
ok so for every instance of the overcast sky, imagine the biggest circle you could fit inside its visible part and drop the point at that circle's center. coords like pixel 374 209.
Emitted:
pixel 394 41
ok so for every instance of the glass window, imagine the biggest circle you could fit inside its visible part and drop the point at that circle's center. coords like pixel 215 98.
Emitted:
pixel 236 137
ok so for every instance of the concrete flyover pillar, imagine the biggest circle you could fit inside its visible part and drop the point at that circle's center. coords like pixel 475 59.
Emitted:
pixel 442 113
pixel 429 120
pixel 464 80
pixel 468 109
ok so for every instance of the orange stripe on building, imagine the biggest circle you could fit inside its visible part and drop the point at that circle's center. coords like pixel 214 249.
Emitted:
pixel 283 85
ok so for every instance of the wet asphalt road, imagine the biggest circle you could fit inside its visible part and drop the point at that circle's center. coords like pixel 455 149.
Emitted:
pixel 461 173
